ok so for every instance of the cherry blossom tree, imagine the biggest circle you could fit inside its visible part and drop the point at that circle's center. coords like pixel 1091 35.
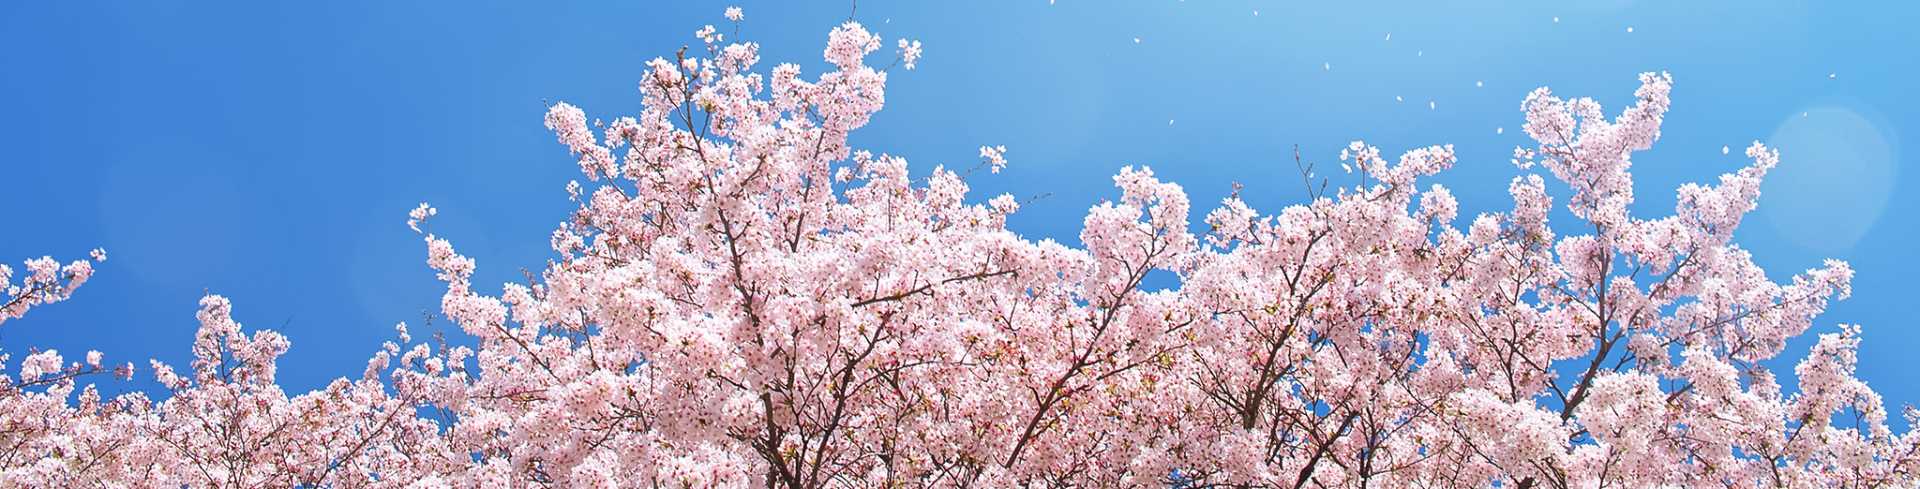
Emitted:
pixel 742 298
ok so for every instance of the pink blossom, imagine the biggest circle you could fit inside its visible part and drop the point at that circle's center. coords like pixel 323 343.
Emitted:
pixel 995 156
pixel 744 298
pixel 419 215
pixel 909 52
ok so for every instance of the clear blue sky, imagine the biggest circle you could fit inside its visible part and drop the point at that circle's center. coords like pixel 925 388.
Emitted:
pixel 270 153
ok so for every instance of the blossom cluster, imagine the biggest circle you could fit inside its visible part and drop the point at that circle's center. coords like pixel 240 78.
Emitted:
pixel 742 298
pixel 46 281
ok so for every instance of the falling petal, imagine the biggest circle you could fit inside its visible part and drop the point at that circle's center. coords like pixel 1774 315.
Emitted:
pixel 1725 149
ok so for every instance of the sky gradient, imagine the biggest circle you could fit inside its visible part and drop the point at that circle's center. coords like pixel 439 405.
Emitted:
pixel 270 153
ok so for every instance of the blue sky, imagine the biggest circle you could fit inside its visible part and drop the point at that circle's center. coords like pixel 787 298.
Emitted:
pixel 270 152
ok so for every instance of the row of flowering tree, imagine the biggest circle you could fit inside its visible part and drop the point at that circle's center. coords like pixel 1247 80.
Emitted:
pixel 743 299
